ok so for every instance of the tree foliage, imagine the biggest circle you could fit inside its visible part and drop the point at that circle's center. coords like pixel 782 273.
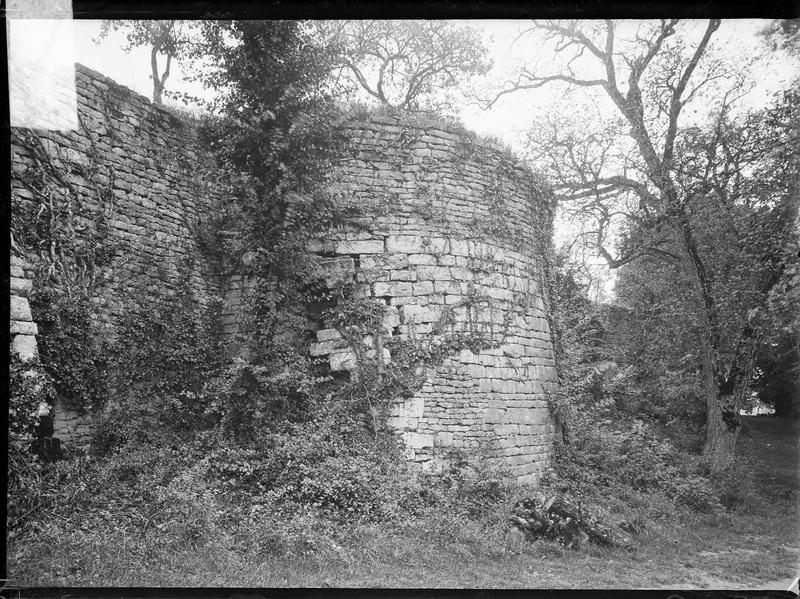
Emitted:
pixel 406 64
pixel 168 38
pixel 690 196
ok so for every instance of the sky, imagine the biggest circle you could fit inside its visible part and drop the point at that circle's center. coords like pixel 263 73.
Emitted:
pixel 59 43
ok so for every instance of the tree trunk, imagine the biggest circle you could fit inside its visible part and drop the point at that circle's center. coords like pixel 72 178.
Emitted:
pixel 724 400
pixel 158 86
pixel 722 428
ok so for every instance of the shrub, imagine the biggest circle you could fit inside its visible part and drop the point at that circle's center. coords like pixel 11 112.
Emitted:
pixel 29 387
pixel 70 351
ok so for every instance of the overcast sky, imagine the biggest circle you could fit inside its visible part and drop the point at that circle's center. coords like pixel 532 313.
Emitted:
pixel 59 43
pixel 66 41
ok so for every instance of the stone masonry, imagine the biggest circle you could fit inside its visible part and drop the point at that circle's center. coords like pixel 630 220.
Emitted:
pixel 453 239
pixel 23 329
pixel 143 168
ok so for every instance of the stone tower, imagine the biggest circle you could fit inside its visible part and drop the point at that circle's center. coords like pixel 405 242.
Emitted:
pixel 456 237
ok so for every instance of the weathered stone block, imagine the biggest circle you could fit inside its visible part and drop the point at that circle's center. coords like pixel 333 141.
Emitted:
pixel 20 309
pixel 433 273
pixel 20 286
pixel 24 346
pixel 417 440
pixel 328 335
pixel 404 244
pixel 19 327
pixel 423 288
pixel 403 275
pixel 423 259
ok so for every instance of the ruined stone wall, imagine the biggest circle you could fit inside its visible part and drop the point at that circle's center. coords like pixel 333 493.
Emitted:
pixel 138 172
pixel 138 180
pixel 454 239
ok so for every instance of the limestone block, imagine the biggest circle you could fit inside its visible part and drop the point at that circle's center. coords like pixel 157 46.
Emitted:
pixel 396 261
pixel 366 246
pixel 450 287
pixel 444 439
pixel 342 360
pixel 422 259
pixel 514 350
pixel 20 309
pixel 417 440
pixel 413 314
pixel 17 271
pixel 398 288
pixel 328 335
pixel 474 371
pixel 403 275
pixel 423 288
pixel 24 346
pixel 436 245
pixel 404 244
pixel 21 286
pixel 495 415
pixel 500 294
pixel 19 327
pixel 461 274
pixel 433 273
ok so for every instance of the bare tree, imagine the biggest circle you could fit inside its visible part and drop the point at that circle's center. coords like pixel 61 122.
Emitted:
pixel 643 184
pixel 404 64
pixel 167 38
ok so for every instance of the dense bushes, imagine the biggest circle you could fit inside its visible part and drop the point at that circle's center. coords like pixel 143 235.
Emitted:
pixel 630 425
pixel 29 387
pixel 70 349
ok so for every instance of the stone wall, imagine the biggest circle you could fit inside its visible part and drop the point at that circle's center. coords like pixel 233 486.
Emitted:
pixel 138 180
pixel 23 330
pixel 137 171
pixel 453 239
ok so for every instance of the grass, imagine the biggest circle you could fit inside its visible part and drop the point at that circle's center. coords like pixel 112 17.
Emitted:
pixel 752 546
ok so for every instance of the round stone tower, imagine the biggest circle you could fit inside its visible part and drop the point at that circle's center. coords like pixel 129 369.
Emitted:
pixel 455 236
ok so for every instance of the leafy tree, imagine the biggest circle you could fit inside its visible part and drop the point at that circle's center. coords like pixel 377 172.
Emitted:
pixel 674 192
pixel 168 38
pixel 406 64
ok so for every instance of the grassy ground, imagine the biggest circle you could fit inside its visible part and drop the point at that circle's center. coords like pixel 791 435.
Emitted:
pixel 753 546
